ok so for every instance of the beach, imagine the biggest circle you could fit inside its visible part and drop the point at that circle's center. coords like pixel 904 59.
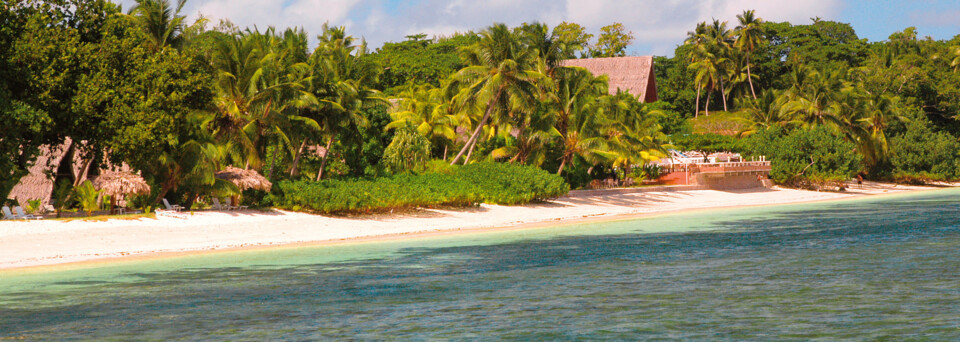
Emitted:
pixel 54 242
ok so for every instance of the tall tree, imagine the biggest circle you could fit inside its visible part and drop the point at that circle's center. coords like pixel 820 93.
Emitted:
pixel 161 21
pixel 612 42
pixel 501 78
pixel 749 35
pixel 572 38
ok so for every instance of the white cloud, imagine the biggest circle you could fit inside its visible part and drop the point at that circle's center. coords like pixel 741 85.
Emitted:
pixel 658 25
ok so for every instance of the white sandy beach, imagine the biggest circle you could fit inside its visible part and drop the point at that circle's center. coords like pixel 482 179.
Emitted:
pixel 39 243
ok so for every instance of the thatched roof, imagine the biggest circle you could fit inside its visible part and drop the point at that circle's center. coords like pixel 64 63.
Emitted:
pixel 244 179
pixel 39 183
pixel 632 74
pixel 120 183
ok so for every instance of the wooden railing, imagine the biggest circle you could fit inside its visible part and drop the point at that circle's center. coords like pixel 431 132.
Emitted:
pixel 752 166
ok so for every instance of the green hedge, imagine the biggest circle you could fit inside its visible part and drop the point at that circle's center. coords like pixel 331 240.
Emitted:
pixel 459 186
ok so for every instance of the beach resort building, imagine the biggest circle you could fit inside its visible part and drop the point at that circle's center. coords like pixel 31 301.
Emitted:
pixel 718 171
pixel 631 74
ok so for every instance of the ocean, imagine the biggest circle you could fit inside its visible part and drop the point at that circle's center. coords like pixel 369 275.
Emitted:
pixel 883 267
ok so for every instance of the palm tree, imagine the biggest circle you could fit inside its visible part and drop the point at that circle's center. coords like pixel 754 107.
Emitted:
pixel 500 75
pixel 162 22
pixel 426 110
pixel 697 39
pixel 635 138
pixel 764 112
pixel 576 108
pixel 749 35
pixel 258 78
pixel 719 42
pixel 708 74
pixel 345 76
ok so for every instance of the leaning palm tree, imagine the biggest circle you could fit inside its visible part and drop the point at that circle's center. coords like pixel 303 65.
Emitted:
pixel 161 21
pixel 749 35
pixel 500 79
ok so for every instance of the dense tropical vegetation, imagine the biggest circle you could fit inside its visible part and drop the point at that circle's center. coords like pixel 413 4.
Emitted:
pixel 179 101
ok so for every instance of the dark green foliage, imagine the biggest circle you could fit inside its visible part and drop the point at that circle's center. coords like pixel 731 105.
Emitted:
pixel 420 61
pixel 458 186
pixel 137 99
pixel 362 147
pixel 923 154
pixel 806 158
pixel 671 121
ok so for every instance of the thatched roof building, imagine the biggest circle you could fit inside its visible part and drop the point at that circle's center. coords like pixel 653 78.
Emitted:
pixel 39 183
pixel 631 74
pixel 244 179
pixel 115 183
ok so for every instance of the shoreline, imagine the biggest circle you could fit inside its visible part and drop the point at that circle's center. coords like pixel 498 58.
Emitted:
pixel 112 241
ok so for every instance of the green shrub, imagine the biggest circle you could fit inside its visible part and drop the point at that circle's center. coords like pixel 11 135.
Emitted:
pixel 806 158
pixel 920 154
pixel 457 186
pixel 87 197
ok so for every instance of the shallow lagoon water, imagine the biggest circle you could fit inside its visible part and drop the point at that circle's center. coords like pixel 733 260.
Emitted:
pixel 857 269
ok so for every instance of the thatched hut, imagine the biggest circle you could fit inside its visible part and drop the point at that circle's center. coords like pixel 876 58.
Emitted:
pixel 632 74
pixel 116 183
pixel 244 179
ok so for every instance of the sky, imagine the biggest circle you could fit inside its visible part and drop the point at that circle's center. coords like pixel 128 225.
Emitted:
pixel 658 25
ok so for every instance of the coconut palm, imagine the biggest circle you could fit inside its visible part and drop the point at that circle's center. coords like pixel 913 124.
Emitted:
pixel 500 79
pixel 343 75
pixel 635 137
pixel 697 39
pixel 749 35
pixel 427 111
pixel 709 73
pixel 765 112
pixel 258 77
pixel 161 20
pixel 576 107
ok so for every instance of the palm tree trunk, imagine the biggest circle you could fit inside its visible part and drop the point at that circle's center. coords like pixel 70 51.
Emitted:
pixel 273 162
pixel 445 145
pixel 749 78
pixel 706 106
pixel 467 159
pixel 562 165
pixel 697 106
pixel 476 132
pixel 323 162
pixel 723 95
pixel 294 171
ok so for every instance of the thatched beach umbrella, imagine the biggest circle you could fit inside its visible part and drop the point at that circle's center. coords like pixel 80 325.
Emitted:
pixel 115 183
pixel 244 179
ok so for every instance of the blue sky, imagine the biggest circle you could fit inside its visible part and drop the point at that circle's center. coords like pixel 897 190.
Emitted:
pixel 659 25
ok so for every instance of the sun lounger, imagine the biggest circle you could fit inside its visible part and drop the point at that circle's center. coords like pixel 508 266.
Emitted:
pixel 7 214
pixel 218 206
pixel 22 215
pixel 170 213
pixel 240 207
pixel 175 207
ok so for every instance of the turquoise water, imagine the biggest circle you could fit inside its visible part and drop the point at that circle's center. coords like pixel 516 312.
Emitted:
pixel 861 270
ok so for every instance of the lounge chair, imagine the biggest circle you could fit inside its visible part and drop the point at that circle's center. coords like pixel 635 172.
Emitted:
pixel 239 207
pixel 25 216
pixel 7 215
pixel 218 206
pixel 175 207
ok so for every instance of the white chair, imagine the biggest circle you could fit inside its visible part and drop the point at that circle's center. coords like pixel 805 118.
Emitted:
pixel 175 207
pixel 218 206
pixel 240 207
pixel 7 215
pixel 23 215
